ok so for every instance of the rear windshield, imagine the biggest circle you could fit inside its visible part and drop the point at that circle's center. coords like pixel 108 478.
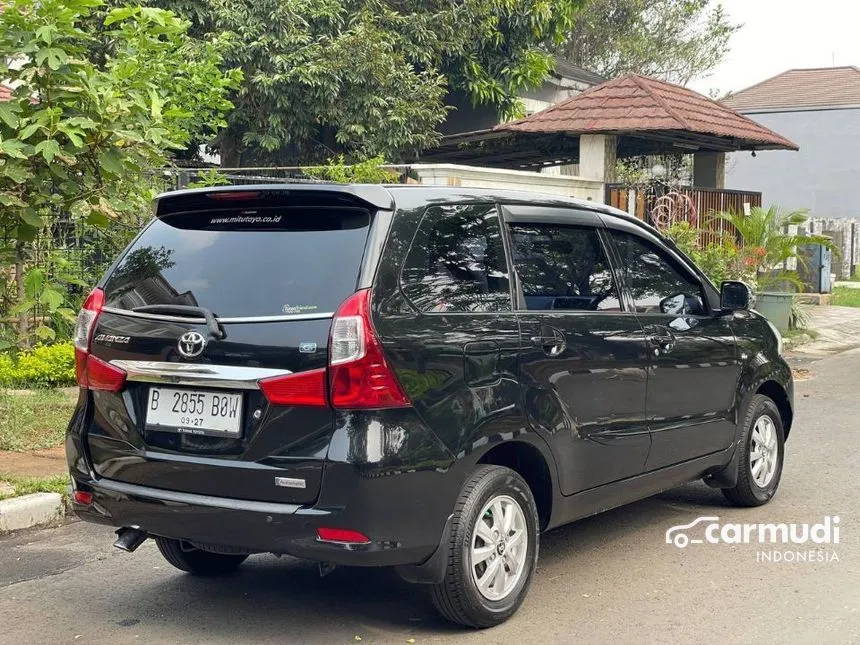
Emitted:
pixel 236 263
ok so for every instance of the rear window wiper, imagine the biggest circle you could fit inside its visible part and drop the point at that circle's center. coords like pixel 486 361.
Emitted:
pixel 216 330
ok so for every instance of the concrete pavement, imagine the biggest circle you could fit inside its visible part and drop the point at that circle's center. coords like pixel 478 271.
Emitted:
pixel 607 579
pixel 837 328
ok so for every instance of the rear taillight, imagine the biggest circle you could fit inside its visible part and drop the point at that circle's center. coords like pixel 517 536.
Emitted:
pixel 99 375
pixel 304 388
pixel 359 375
pixel 93 373
pixel 87 317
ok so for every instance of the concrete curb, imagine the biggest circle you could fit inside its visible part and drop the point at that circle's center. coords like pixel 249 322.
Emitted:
pixel 30 510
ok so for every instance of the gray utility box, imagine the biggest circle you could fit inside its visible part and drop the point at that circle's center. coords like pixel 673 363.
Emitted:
pixel 815 263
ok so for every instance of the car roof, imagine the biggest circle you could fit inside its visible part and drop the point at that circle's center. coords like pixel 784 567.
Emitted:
pixel 419 194
pixel 390 196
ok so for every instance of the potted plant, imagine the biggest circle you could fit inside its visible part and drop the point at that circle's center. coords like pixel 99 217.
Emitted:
pixel 766 246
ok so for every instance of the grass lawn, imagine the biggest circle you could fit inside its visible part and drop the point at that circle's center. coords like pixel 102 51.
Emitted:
pixel 797 333
pixel 26 485
pixel 34 419
pixel 846 297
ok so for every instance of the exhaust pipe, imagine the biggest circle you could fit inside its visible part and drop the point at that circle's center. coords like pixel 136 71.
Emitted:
pixel 128 539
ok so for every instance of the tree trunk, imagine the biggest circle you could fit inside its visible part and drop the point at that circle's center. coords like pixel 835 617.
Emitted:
pixel 231 156
pixel 19 284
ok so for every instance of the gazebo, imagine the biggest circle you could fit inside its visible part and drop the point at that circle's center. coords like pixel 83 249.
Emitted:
pixel 628 116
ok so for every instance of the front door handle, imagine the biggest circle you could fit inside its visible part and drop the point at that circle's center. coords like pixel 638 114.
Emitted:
pixel 662 342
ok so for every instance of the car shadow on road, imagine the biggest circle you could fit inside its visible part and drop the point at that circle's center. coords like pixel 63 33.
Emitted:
pixel 271 596
pixel 651 516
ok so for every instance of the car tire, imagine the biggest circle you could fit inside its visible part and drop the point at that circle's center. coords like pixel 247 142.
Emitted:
pixel 196 561
pixel 762 450
pixel 489 568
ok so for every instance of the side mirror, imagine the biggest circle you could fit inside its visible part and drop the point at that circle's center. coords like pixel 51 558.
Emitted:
pixel 675 305
pixel 735 296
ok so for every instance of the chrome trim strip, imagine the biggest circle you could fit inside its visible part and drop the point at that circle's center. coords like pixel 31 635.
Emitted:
pixel 229 376
pixel 194 499
pixel 226 321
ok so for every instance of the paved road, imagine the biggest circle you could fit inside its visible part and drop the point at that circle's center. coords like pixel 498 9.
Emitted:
pixel 607 579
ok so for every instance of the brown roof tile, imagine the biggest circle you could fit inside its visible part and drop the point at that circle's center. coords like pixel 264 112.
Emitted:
pixel 821 87
pixel 633 103
pixel 5 92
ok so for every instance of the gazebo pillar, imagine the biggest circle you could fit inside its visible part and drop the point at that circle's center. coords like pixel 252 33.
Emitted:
pixel 597 155
pixel 709 169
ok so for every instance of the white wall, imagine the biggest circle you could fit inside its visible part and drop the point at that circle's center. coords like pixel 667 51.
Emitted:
pixel 476 177
pixel 822 176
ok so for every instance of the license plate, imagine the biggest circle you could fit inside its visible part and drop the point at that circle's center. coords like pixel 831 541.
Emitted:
pixel 194 412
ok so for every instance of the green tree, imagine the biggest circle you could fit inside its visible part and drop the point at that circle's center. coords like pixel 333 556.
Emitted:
pixel 676 40
pixel 369 77
pixel 99 97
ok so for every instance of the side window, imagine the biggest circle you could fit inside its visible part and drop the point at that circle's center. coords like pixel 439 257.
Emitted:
pixel 657 284
pixel 457 262
pixel 563 267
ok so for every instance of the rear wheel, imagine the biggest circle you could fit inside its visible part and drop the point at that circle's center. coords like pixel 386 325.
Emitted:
pixel 492 551
pixel 762 451
pixel 197 561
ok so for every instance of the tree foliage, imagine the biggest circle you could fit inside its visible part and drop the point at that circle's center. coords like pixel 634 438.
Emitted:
pixel 369 77
pixel 675 40
pixel 369 171
pixel 99 97
pixel 75 133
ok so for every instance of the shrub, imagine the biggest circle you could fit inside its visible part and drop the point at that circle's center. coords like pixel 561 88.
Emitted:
pixel 768 244
pixel 369 171
pixel 43 366
pixel 719 261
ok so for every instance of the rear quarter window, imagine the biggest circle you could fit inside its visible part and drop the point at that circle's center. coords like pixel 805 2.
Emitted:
pixel 456 262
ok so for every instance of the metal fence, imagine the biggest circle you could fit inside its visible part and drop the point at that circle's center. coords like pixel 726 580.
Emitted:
pixel 168 179
pixel 662 206
pixel 71 248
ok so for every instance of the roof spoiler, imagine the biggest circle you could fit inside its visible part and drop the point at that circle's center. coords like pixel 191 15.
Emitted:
pixel 263 195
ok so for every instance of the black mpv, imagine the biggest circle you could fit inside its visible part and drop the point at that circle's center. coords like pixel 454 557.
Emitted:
pixel 417 377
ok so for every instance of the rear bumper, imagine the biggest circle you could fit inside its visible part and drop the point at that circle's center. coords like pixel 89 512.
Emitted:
pixel 402 509
pixel 255 526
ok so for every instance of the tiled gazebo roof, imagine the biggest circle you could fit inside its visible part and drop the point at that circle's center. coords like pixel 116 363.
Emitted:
pixel 635 104
pixel 648 117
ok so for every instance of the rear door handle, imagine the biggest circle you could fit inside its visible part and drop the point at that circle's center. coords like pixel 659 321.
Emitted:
pixel 552 345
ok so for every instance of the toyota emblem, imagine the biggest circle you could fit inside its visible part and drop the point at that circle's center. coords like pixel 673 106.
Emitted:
pixel 191 344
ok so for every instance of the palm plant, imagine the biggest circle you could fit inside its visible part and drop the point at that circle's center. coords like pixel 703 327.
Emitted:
pixel 767 244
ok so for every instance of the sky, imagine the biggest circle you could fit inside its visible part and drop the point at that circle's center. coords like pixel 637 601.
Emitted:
pixel 783 34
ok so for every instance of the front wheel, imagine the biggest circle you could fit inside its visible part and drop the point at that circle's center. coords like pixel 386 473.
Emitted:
pixel 197 561
pixel 492 550
pixel 762 446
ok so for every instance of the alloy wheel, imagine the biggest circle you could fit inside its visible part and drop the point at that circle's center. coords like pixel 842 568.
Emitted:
pixel 499 547
pixel 764 451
